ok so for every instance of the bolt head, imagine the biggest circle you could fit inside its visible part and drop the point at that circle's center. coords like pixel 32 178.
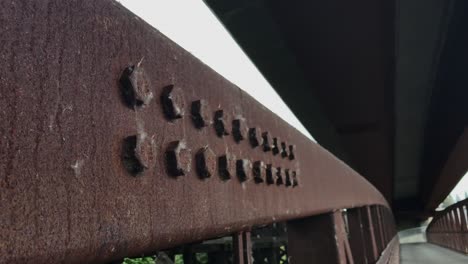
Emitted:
pixel 200 114
pixel 254 137
pixel 259 171
pixel 279 176
pixel 243 169
pixel 284 150
pixel 239 129
pixel 266 141
pixel 294 179
pixel 288 178
pixel 138 153
pixel 172 100
pixel 270 174
pixel 220 124
pixel 292 150
pixel 178 159
pixel 276 148
pixel 205 162
pixel 135 87
pixel 226 166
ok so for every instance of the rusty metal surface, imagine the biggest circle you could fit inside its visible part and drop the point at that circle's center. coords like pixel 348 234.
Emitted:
pixel 449 228
pixel 98 161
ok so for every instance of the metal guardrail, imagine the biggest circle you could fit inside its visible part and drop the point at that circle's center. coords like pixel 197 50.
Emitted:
pixel 116 142
pixel 449 228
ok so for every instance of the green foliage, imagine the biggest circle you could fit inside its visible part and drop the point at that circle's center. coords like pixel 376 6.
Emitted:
pixel 144 260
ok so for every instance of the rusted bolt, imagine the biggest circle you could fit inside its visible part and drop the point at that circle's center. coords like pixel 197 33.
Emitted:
pixel 279 176
pixel 295 180
pixel 275 148
pixel 178 158
pixel 205 162
pixel 292 150
pixel 259 171
pixel 135 86
pixel 254 137
pixel 220 124
pixel 270 174
pixel 200 114
pixel 172 100
pixel 243 169
pixel 266 141
pixel 239 129
pixel 284 150
pixel 288 181
pixel 226 166
pixel 138 153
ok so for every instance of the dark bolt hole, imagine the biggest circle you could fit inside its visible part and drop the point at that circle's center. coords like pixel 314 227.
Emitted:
pixel 219 124
pixel 196 111
pixel 130 161
pixel 223 167
pixel 275 148
pixel 127 90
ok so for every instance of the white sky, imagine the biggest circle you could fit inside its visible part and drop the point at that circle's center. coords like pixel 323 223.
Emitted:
pixel 192 25
pixel 461 187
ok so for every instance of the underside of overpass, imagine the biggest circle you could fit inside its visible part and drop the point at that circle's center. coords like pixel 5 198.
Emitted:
pixel 380 84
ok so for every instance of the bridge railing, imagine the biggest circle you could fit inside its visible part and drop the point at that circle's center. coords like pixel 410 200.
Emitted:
pixel 116 142
pixel 449 228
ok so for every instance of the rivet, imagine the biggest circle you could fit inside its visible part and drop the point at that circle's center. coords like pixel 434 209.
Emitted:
pixel 178 158
pixel 135 86
pixel 226 166
pixel 205 162
pixel 200 114
pixel 279 176
pixel 138 153
pixel 173 103
pixel 243 169
pixel 254 137
pixel 239 129
pixel 292 150
pixel 270 174
pixel 266 141
pixel 259 171
pixel 275 148
pixel 220 124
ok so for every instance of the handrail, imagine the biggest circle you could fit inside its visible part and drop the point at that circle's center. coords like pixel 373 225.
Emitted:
pixel 117 142
pixel 449 228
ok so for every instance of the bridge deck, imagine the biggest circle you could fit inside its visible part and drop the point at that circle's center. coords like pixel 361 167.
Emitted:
pixel 425 253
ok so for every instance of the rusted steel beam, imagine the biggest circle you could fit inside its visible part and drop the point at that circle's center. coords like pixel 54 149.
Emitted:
pixel 449 228
pixel 116 142
pixel 452 172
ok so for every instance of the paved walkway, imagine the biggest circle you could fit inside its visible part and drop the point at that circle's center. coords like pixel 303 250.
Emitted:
pixel 426 253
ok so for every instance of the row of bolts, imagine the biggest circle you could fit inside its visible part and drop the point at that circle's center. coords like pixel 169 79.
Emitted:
pixel 138 150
